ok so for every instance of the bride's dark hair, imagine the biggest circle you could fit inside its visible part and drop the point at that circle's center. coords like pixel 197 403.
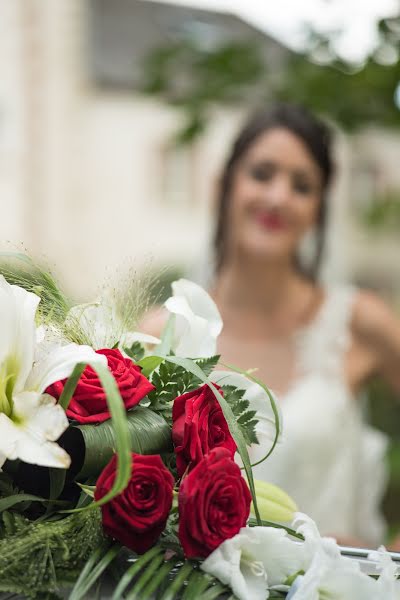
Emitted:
pixel 315 134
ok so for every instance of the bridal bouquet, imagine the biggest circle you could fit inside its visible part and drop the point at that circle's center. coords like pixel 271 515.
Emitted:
pixel 127 461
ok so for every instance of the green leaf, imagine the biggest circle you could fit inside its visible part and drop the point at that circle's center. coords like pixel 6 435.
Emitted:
pixel 135 352
pixel 148 433
pixel 95 566
pixel 70 385
pixel 166 337
pixel 235 430
pixel 139 564
pixel 6 503
pixel 57 482
pixel 149 364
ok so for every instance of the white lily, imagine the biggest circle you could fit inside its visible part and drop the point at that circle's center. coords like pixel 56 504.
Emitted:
pixel 31 421
pixel 388 583
pixel 254 560
pixel 101 325
pixel 261 403
pixel 197 320
pixel 333 578
pixel 327 573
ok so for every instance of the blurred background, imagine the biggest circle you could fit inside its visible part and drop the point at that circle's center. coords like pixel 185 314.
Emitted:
pixel 116 116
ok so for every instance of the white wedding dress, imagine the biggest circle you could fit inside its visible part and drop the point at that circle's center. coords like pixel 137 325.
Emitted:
pixel 330 461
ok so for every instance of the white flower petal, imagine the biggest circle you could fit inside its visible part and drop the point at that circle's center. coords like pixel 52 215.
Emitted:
pixel 227 565
pixel 197 320
pixel 200 303
pixel 40 421
pixel 59 364
pixel 18 331
pixel 260 402
pixel 336 579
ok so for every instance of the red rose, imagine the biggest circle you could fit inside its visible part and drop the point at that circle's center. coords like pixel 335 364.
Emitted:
pixel 89 404
pixel 214 503
pixel 198 426
pixel 137 516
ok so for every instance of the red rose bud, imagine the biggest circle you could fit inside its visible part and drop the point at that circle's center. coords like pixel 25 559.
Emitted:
pixel 214 503
pixel 198 426
pixel 89 404
pixel 137 516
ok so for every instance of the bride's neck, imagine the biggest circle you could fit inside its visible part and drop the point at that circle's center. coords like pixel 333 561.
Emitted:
pixel 256 285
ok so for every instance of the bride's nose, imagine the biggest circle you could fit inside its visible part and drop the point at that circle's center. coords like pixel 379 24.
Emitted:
pixel 277 193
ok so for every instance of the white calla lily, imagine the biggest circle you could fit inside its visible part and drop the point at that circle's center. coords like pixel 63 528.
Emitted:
pixel 31 421
pixel 254 560
pixel 197 320
pixel 258 401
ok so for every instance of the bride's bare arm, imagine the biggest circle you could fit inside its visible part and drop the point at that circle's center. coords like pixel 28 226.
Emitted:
pixel 378 330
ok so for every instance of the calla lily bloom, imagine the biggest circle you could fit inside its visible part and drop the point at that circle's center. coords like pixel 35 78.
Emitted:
pixel 197 320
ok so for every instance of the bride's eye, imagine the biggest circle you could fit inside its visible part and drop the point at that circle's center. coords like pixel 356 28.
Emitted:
pixel 262 172
pixel 302 186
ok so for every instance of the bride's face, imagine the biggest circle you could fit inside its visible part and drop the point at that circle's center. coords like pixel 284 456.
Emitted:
pixel 275 195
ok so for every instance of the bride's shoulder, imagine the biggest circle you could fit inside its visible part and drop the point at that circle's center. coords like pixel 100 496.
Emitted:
pixel 372 318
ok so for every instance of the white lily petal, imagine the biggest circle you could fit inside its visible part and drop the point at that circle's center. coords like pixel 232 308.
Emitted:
pixel 200 302
pixel 233 566
pixel 388 582
pixel 255 559
pixel 197 323
pixel 260 402
pixel 31 437
pixel 59 364
pixel 333 578
pixel 18 331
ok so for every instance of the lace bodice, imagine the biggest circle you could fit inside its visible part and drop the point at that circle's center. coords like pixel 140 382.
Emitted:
pixel 330 461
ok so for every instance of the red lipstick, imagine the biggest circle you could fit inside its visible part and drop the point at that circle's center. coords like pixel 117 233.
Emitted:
pixel 270 221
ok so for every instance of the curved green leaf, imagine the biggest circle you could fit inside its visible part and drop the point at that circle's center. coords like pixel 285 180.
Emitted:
pixel 6 503
pixel 148 434
pixel 273 406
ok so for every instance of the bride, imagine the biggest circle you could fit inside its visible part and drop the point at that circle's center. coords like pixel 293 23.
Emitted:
pixel 315 346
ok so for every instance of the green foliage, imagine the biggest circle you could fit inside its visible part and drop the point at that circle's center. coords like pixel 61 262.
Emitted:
pixel 37 558
pixel 383 214
pixel 193 79
pixel 351 99
pixel 245 417
pixel 172 380
pixel 135 352
pixel 156 575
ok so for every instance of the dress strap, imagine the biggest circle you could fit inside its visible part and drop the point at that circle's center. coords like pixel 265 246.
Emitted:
pixel 323 343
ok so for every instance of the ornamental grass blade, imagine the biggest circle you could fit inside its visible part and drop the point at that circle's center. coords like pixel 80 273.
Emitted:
pixel 278 429
pixel 94 568
pixel 237 435
pixel 119 424
pixel 134 569
pixel 9 501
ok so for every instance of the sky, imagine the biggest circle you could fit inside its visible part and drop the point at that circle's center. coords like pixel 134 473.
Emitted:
pixel 285 19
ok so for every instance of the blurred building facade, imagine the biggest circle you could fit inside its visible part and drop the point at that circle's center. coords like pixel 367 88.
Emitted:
pixel 89 179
